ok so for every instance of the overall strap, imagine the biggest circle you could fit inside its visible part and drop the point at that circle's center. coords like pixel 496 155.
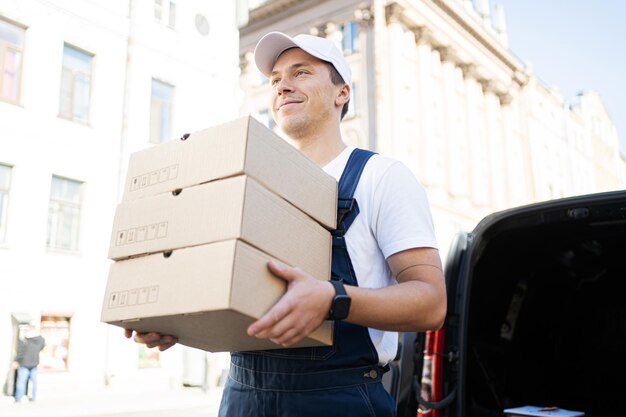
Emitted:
pixel 347 207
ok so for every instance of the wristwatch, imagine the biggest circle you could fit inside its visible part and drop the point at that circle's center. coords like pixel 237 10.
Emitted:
pixel 340 306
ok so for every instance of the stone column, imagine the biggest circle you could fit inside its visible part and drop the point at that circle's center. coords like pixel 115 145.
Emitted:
pixel 496 143
pixel 391 111
pixel 424 116
pixel 456 180
pixel 367 69
pixel 478 153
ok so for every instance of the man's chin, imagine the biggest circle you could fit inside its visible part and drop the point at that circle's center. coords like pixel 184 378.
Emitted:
pixel 294 127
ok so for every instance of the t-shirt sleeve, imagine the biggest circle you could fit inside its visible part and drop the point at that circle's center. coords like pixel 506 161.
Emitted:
pixel 401 217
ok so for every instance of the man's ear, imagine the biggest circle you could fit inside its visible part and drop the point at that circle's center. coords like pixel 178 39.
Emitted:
pixel 343 96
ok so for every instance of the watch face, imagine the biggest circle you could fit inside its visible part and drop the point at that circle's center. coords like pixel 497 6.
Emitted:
pixel 341 307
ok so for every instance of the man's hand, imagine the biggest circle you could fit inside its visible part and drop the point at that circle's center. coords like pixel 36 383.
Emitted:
pixel 300 311
pixel 152 339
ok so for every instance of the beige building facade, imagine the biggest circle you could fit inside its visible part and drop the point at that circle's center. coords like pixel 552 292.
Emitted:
pixel 436 87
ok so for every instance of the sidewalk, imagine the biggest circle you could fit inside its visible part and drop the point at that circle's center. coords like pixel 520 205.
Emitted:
pixel 110 401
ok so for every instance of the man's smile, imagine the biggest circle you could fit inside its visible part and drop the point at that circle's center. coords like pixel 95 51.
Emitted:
pixel 288 102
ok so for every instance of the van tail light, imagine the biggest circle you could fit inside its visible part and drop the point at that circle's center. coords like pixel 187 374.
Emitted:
pixel 432 372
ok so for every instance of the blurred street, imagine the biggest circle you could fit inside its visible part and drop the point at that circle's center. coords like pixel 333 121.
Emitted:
pixel 188 402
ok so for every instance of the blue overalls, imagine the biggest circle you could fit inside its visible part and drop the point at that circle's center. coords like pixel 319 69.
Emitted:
pixel 342 380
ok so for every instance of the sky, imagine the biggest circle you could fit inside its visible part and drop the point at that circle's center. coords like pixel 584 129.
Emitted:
pixel 574 45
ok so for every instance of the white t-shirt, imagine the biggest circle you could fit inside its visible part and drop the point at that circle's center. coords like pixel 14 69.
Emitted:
pixel 394 216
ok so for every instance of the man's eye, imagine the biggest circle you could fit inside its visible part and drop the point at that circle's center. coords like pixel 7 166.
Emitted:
pixel 275 81
pixel 300 73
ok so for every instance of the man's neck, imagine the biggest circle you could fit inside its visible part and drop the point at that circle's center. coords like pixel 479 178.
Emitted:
pixel 321 148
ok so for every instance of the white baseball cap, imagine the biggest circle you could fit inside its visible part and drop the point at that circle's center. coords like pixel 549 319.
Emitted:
pixel 273 44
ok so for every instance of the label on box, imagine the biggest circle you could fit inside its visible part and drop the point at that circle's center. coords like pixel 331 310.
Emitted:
pixel 135 296
pixel 141 233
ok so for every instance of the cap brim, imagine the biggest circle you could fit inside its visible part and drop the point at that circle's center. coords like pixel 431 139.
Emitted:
pixel 269 49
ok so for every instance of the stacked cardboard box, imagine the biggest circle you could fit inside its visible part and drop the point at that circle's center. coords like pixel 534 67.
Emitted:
pixel 198 222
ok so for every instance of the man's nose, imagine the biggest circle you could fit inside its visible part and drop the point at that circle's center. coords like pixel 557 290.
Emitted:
pixel 283 86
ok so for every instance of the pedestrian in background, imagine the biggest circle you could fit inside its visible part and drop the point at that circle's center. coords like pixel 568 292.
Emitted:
pixel 27 361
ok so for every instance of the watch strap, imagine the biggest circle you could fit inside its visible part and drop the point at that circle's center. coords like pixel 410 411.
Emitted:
pixel 340 306
pixel 339 288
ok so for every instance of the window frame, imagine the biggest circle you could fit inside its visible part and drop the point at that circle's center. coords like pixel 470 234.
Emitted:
pixel 70 112
pixel 52 242
pixel 162 137
pixel 350 37
pixel 49 325
pixel 6 46
pixel 164 13
pixel 265 117
pixel 5 192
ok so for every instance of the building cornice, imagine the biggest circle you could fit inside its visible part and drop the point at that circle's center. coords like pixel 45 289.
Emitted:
pixel 455 13
pixel 493 46
pixel 275 11
pixel 270 8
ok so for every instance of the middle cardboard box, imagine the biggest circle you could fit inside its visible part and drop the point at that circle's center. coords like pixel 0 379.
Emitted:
pixel 232 208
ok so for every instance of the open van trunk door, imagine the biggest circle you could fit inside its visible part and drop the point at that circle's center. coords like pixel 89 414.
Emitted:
pixel 457 270
pixel 497 248
pixel 423 364
pixel 431 389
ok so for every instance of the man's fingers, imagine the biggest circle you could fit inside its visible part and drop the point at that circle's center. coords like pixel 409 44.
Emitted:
pixel 147 338
pixel 283 271
pixel 166 346
pixel 152 339
pixel 292 340
pixel 160 341
pixel 277 268
pixel 285 339
pixel 262 326
pixel 283 329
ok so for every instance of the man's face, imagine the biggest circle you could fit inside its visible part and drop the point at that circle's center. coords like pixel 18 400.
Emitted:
pixel 303 95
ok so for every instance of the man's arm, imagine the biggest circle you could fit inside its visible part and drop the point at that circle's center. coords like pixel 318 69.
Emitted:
pixel 417 303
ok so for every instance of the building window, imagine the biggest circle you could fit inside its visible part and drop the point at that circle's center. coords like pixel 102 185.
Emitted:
pixel 161 112
pixel 349 33
pixel 11 48
pixel 266 118
pixel 64 214
pixel 5 183
pixel 56 331
pixel 75 85
pixel 353 105
pixel 165 12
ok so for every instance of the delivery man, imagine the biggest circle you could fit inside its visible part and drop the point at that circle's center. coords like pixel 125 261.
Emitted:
pixel 386 270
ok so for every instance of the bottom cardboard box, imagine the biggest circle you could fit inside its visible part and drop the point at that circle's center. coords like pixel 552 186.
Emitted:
pixel 204 295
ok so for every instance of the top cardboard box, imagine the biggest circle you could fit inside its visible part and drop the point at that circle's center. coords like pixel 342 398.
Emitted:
pixel 242 146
